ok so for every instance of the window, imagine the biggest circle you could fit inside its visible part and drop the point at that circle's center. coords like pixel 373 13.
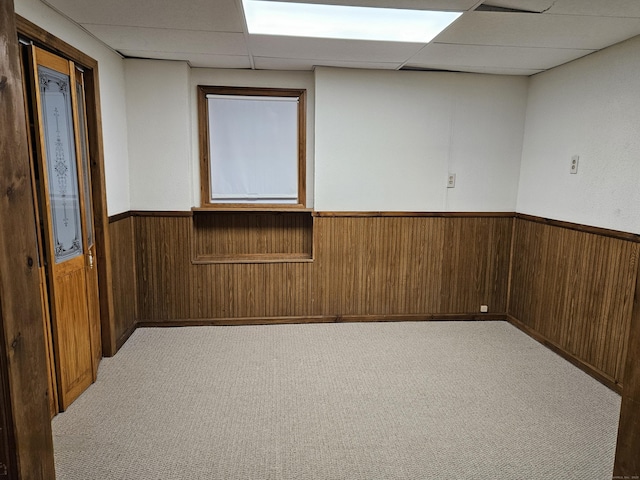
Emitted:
pixel 252 147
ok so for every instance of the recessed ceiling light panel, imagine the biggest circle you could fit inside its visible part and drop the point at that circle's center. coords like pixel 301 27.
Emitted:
pixel 345 22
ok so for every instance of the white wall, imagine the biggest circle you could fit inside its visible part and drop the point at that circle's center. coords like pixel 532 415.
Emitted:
pixel 160 146
pixel 252 78
pixel 386 141
pixel 590 108
pixel 112 96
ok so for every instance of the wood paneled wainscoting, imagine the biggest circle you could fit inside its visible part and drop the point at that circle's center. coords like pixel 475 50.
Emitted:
pixel 333 267
pixel 572 288
pixel 123 274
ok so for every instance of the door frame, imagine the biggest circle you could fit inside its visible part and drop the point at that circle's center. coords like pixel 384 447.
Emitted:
pixel 49 42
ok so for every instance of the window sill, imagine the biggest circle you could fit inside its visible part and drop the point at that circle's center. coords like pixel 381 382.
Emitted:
pixel 251 208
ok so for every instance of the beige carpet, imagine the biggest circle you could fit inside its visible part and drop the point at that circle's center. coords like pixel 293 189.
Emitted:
pixel 432 400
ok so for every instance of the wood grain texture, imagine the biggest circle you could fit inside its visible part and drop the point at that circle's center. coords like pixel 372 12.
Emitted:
pixel 576 290
pixel 297 319
pixel 123 268
pixel 163 269
pixel 627 460
pixel 8 461
pixel 362 267
pixel 605 232
pixel 415 214
pixel 93 300
pixel 48 343
pixel 23 349
pixel 71 333
pixel 234 236
pixel 100 212
pixel 398 265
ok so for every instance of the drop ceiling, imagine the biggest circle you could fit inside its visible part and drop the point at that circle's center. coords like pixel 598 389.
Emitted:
pixel 517 37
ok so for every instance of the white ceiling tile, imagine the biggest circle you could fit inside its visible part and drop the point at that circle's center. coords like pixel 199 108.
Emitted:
pixel 608 8
pixel 455 5
pixel 539 30
pixel 194 59
pixel 218 15
pixel 489 42
pixel 487 70
pixel 495 56
pixel 165 40
pixel 331 49
pixel 266 63
pixel 218 61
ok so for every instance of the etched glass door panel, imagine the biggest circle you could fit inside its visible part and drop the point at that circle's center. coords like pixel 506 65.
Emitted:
pixel 64 200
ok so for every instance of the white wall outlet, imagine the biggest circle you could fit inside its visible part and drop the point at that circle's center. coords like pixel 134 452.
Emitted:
pixel 484 308
pixel 574 164
pixel 451 180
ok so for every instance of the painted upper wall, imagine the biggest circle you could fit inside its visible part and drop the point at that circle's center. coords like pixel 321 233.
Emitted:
pixel 383 140
pixel 591 108
pixel 112 96
pixel 386 141
pixel 158 118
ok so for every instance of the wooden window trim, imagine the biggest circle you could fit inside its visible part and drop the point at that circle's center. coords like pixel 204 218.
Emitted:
pixel 203 142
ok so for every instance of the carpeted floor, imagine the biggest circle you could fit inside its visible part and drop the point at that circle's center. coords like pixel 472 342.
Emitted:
pixel 414 400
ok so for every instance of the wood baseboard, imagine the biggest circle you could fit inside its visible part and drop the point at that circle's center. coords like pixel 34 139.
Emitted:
pixel 585 367
pixel 323 319
pixel 125 336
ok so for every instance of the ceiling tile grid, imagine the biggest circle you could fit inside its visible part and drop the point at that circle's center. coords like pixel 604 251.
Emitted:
pixel 488 38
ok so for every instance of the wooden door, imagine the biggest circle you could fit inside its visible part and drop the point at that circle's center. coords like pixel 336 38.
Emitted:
pixel 64 195
pixel 42 275
pixel 93 299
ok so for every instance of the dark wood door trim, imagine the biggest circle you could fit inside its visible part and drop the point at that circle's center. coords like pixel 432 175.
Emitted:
pixel 627 461
pixel 23 349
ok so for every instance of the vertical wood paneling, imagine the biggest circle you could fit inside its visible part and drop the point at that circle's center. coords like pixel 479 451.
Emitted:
pixel 287 289
pixel 410 265
pixel 363 266
pixel 575 289
pixel 475 257
pixel 123 268
pixel 163 267
pixel 218 234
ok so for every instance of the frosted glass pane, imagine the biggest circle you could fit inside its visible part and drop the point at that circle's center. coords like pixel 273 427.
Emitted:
pixel 86 178
pixel 253 149
pixel 61 163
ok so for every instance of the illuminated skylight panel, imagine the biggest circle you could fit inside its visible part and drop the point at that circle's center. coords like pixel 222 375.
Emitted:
pixel 345 22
